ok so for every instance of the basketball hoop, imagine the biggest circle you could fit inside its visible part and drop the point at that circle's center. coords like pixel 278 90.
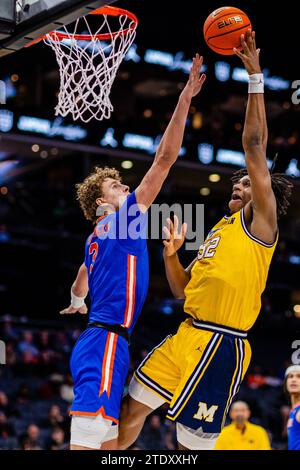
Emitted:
pixel 88 62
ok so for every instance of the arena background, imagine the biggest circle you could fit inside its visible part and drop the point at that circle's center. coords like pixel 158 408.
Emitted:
pixel 42 230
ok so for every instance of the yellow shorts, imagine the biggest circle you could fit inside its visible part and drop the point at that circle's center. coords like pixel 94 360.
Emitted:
pixel 197 371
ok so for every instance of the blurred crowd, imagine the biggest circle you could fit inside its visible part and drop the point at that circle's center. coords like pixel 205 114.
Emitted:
pixel 36 391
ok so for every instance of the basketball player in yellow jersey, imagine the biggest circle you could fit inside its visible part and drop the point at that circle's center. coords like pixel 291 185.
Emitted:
pixel 198 371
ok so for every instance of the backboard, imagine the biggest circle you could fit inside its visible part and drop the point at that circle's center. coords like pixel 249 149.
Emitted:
pixel 22 21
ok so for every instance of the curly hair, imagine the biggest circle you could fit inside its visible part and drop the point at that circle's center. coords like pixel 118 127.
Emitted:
pixel 281 185
pixel 91 189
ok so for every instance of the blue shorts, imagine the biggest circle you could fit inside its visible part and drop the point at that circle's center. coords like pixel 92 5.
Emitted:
pixel 99 367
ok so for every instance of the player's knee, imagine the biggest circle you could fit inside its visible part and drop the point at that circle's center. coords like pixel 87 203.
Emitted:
pixel 91 431
pixel 143 400
pixel 195 439
pixel 133 412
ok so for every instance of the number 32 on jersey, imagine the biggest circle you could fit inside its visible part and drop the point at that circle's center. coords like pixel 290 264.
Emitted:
pixel 208 249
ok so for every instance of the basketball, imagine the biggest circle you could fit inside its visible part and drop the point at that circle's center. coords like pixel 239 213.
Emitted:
pixel 223 28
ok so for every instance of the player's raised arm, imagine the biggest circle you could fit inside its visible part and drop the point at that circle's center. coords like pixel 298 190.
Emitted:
pixel 170 145
pixel 79 291
pixel 255 135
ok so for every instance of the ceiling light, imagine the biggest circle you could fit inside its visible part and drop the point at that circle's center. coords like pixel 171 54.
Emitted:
pixel 127 164
pixel 204 191
pixel 214 178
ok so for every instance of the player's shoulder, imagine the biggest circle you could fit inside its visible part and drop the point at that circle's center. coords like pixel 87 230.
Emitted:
pixel 129 202
pixel 131 198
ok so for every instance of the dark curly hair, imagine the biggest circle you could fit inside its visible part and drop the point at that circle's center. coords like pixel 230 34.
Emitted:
pixel 281 185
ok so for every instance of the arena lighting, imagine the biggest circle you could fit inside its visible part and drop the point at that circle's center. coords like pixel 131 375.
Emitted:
pixel 140 142
pixel 35 148
pixel 4 190
pixel 6 120
pixel 143 142
pixel 106 47
pixel 214 178
pixel 232 157
pixel 159 58
pixel 177 61
pixel 297 309
pixel 222 71
pixel 6 168
pixel 3 155
pixel 51 128
pixel 2 92
pixel 197 120
pixel 170 61
pixel 239 74
pixel 167 309
pixel 205 153
pixel 33 124
pixel 292 169
pixel 148 144
pixel 108 139
pixel 127 164
pixel 148 113
pixel 275 83
pixel 204 191
pixel 10 88
pixel 293 259
pixel 132 54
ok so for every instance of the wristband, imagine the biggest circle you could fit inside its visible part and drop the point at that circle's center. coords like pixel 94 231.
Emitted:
pixel 76 302
pixel 256 83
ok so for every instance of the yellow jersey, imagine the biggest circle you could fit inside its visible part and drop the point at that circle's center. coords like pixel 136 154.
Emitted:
pixel 253 437
pixel 229 276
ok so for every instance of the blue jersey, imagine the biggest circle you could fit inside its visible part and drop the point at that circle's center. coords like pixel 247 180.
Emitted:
pixel 294 430
pixel 116 258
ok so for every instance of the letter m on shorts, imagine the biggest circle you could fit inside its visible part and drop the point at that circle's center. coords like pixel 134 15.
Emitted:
pixel 2 353
pixel 204 414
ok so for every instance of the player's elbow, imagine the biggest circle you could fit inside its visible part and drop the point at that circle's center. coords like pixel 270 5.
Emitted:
pixel 165 159
pixel 252 140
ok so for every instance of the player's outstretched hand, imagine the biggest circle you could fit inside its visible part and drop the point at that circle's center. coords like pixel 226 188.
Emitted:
pixel 250 55
pixel 175 238
pixel 196 79
pixel 70 310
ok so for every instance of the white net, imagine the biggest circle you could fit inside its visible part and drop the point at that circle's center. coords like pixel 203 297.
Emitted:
pixel 88 66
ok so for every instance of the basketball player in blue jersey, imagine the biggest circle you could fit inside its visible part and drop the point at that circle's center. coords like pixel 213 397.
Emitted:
pixel 198 371
pixel 115 272
pixel 292 388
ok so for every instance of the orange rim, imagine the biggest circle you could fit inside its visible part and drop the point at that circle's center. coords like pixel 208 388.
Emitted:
pixel 107 10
